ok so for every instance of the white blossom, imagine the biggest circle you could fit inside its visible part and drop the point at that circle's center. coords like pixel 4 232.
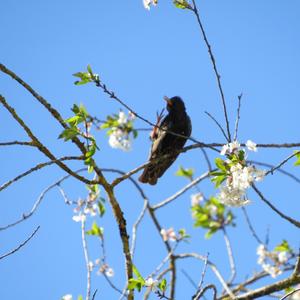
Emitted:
pixel 283 257
pixel 79 218
pixel 148 3
pixel 151 283
pixel 119 139
pixel 90 265
pixel 259 174
pixel 232 196
pixel 251 146
pixel 67 297
pixel 122 118
pixel 274 271
pixel 212 209
pixel 196 199
pixel 91 210
pixel 109 272
pixel 230 148
pixel 271 261
pixel 168 234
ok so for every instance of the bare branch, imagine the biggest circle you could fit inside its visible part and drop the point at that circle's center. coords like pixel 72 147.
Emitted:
pixel 203 273
pixel 17 143
pixel 250 226
pixel 279 170
pixel 21 245
pixel 290 294
pixel 282 215
pixel 25 216
pixel 39 145
pixel 282 163
pixel 135 226
pixel 36 168
pixel 218 76
pixel 182 191
pixel 87 259
pixel 206 288
pixel 211 265
pixel 237 117
pixel 44 102
pixel 230 256
pixel 219 125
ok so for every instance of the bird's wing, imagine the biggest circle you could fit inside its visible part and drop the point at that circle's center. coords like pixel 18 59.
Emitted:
pixel 160 137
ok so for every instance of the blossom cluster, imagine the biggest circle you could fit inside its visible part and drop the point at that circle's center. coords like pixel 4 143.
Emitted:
pixel 235 174
pixel 271 261
pixel 148 3
pixel 89 206
pixel 120 126
pixel 171 235
pixel 103 268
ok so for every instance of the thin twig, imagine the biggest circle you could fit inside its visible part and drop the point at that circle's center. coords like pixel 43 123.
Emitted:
pixel 189 278
pixel 250 226
pixel 282 163
pixel 203 273
pixel 112 95
pixel 211 265
pixel 94 295
pixel 21 245
pixel 230 256
pixel 44 102
pixel 87 260
pixel 213 60
pixel 290 294
pixel 180 192
pixel 25 216
pixel 135 226
pixel 282 215
pixel 237 117
pixel 16 143
pixel 39 145
pixel 278 170
pixel 206 288
pixel 219 125
pixel 36 168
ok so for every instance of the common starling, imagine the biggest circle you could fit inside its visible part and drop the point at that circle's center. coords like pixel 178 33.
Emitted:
pixel 164 142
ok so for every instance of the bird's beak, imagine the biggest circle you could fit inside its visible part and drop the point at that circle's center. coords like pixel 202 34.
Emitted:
pixel 168 100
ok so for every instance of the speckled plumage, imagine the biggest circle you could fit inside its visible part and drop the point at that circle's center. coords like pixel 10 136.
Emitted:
pixel 164 142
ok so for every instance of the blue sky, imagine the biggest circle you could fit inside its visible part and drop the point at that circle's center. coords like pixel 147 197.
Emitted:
pixel 142 56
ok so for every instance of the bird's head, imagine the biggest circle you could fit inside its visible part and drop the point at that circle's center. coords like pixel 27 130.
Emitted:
pixel 174 104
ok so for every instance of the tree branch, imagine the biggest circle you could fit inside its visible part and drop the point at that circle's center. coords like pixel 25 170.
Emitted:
pixel 21 245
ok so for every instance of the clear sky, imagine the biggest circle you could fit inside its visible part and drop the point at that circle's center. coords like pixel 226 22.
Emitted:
pixel 142 56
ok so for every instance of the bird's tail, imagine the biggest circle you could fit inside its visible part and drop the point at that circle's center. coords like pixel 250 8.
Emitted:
pixel 148 176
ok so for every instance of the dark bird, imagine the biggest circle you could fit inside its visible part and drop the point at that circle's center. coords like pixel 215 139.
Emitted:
pixel 164 142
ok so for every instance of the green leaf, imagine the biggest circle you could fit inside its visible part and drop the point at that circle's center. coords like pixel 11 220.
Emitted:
pixel 297 163
pixel 80 297
pixel 69 133
pixel 183 4
pixel 284 246
pixel 185 172
pixel 101 208
pixel 163 285
pixel 220 164
pixel 209 233
pixel 85 77
pixel 134 283
pixel 136 272
pixel 90 70
pixel 218 180
pixel 95 230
